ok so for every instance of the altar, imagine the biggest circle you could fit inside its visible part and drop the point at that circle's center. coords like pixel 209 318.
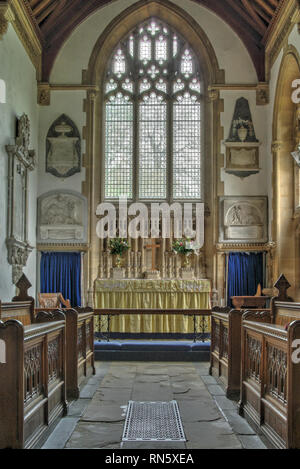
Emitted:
pixel 161 294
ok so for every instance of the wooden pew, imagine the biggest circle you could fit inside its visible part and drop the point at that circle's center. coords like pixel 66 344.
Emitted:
pixel 225 364
pixel 270 381
pixel 79 333
pixel 22 306
pixel 20 311
pixel 79 345
pixel 32 382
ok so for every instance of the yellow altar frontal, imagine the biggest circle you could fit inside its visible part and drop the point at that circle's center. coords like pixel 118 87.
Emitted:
pixel 152 294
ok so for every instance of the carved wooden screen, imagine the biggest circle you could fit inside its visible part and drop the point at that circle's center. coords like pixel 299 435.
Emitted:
pixel 153 117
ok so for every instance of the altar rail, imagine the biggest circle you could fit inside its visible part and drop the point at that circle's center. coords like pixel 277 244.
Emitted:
pixel 270 381
pixel 32 382
pixel 203 314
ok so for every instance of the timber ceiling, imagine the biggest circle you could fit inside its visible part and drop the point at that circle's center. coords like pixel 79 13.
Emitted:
pixel 56 19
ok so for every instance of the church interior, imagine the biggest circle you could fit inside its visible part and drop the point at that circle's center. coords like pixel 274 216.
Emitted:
pixel 150 234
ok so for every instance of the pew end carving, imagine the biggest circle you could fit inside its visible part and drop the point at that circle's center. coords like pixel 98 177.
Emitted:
pixel 225 354
pixel 270 381
pixel 32 382
pixel 79 342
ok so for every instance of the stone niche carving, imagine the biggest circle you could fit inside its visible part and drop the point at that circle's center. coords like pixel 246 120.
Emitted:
pixel 21 161
pixel 62 218
pixel 242 146
pixel 244 219
pixel 63 148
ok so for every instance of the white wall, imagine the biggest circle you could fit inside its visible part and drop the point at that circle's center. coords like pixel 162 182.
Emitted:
pixel 255 184
pixel 71 104
pixel 19 75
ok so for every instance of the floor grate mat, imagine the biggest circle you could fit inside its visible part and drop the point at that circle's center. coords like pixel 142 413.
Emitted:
pixel 153 421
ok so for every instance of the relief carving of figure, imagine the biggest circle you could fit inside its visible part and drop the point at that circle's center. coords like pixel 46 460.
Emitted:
pixel 61 211
pixel 243 216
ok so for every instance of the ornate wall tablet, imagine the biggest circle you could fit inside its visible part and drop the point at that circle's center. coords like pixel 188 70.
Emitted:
pixel 242 146
pixel 21 160
pixel 63 148
pixel 62 218
pixel 243 219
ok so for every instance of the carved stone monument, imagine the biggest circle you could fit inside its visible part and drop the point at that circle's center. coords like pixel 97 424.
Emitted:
pixel 62 217
pixel 242 146
pixel 63 148
pixel 244 219
pixel 21 161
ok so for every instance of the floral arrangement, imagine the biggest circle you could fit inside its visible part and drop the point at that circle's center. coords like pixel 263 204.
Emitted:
pixel 117 246
pixel 185 247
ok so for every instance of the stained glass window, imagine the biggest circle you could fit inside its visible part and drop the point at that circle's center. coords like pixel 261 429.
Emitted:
pixel 153 95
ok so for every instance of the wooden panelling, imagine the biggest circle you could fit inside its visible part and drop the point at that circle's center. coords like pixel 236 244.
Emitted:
pixel 32 382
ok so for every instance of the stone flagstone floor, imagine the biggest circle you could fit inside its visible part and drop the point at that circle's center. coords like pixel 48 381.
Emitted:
pixel 96 420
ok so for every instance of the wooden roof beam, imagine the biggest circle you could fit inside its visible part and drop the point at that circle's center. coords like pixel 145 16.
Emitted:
pixel 260 28
pixel 265 7
pixel 47 11
pixel 49 22
pixel 274 3
pixel 33 3
pixel 258 21
pixel 40 7
pixel 262 14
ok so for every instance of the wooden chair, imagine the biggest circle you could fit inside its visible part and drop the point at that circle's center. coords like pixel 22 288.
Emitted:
pixel 52 300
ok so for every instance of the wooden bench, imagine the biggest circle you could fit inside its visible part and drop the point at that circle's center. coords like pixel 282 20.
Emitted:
pixel 225 361
pixel 32 382
pixel 270 381
pixel 79 345
pixel 79 333
pixel 19 310
pixel 225 364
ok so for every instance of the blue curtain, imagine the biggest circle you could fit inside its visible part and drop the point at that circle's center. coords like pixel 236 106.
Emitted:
pixel 61 273
pixel 245 273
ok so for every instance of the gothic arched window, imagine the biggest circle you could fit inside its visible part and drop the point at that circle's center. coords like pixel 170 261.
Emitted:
pixel 153 117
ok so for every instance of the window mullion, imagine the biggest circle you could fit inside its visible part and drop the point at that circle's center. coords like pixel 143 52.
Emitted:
pixel 170 122
pixel 136 133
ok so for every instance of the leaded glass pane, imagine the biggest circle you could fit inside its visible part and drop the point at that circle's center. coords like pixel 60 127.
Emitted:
pixel 145 49
pixel 175 46
pixel 131 46
pixel 111 86
pixel 152 148
pixel 119 65
pixel 128 85
pixel 187 148
pixel 118 147
pixel 161 49
pixel 145 85
pixel 187 64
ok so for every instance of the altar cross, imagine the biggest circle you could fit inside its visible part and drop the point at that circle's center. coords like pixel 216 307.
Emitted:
pixel 153 246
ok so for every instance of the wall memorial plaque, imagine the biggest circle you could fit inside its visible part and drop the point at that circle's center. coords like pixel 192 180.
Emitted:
pixel 243 219
pixel 21 161
pixel 63 148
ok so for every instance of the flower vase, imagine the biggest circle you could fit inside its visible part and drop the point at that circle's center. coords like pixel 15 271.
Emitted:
pixel 119 261
pixel 242 133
